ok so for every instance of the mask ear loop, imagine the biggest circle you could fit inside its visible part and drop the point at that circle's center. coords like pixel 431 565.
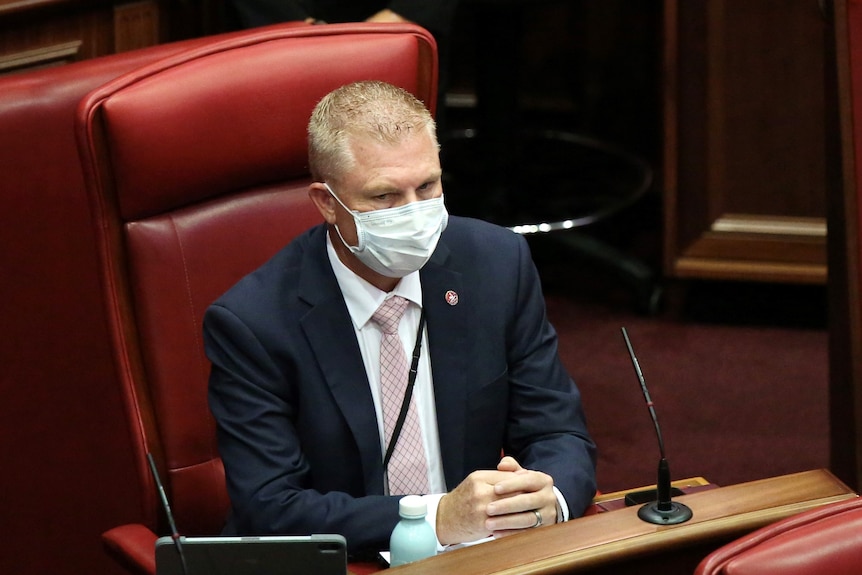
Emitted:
pixel 360 232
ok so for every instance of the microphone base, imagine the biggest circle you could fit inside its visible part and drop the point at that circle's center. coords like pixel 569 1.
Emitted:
pixel 678 513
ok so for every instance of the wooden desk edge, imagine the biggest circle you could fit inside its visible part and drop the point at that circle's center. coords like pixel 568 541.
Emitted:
pixel 653 543
pixel 736 510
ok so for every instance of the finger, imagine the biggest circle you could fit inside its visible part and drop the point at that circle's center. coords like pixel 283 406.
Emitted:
pixel 489 477
pixel 510 464
pixel 517 504
pixel 523 482
pixel 516 521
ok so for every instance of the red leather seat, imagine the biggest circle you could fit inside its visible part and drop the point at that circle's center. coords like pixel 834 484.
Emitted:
pixel 823 541
pixel 196 174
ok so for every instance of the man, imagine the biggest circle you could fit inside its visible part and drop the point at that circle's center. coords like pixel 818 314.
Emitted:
pixel 298 385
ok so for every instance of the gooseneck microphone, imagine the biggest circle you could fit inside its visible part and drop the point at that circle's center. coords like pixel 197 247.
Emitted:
pixel 175 535
pixel 662 511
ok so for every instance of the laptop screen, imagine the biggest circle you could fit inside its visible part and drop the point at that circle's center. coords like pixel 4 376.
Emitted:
pixel 270 555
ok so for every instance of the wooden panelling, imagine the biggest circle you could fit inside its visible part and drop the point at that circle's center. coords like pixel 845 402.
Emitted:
pixel 136 25
pixel 39 33
pixel 54 35
pixel 56 54
pixel 744 157
pixel 844 118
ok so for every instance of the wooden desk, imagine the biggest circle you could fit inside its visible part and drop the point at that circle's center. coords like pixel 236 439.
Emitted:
pixel 601 540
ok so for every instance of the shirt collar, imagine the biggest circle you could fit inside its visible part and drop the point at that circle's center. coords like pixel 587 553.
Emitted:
pixel 361 297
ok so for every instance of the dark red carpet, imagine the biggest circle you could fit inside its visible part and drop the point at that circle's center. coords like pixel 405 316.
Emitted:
pixel 739 379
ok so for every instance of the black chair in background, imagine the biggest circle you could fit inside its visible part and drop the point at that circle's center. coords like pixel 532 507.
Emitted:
pixel 539 180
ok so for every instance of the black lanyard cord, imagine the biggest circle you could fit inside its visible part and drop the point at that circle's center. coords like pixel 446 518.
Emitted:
pixel 408 393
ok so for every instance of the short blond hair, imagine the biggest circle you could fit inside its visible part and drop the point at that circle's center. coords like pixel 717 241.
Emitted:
pixel 369 109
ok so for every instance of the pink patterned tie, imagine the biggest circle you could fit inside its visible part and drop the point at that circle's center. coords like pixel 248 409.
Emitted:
pixel 407 471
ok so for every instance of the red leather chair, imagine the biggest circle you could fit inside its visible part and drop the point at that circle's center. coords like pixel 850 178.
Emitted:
pixel 196 174
pixel 823 541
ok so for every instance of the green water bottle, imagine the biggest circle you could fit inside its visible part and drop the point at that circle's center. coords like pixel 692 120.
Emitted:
pixel 413 537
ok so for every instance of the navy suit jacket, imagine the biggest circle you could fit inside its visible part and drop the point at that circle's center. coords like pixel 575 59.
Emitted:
pixel 295 419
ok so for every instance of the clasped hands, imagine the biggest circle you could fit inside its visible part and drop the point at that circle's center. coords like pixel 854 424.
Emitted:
pixel 496 502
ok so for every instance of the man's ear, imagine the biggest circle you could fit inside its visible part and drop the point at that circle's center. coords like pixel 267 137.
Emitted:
pixel 323 200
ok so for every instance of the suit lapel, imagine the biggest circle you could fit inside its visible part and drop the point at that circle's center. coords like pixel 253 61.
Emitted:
pixel 330 334
pixel 447 332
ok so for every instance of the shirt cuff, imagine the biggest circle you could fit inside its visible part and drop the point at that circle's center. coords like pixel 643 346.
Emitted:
pixel 562 506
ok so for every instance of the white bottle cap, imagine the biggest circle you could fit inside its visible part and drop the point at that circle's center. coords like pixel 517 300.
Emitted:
pixel 412 506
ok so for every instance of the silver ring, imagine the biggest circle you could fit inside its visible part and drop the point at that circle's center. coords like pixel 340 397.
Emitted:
pixel 538 518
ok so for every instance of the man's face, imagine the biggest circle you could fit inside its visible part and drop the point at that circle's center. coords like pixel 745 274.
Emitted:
pixel 384 176
pixel 387 176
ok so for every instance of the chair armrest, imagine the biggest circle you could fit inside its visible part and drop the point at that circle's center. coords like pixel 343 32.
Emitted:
pixel 133 546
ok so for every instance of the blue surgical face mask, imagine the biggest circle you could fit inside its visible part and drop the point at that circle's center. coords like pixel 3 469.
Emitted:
pixel 398 241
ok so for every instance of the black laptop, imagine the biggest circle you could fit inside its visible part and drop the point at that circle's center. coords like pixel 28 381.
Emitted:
pixel 270 555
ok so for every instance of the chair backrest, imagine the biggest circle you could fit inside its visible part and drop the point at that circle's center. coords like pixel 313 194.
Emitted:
pixel 826 541
pixel 196 173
